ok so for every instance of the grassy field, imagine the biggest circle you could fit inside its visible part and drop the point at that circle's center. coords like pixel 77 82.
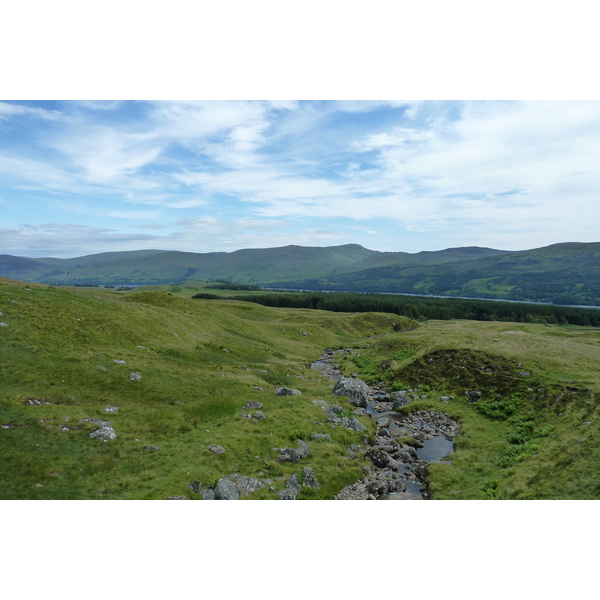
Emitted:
pixel 200 362
pixel 531 435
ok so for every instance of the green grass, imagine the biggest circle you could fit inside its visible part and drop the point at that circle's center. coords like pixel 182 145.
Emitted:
pixel 200 362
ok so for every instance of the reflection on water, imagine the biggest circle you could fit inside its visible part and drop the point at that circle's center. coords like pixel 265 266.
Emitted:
pixel 435 449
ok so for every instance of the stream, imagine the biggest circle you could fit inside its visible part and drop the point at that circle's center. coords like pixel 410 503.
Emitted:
pixel 398 469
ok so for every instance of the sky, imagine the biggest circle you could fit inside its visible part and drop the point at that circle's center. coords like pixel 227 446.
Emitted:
pixel 82 177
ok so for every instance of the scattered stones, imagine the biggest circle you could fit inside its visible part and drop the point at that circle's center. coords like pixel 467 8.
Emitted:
pixel 135 376
pixel 111 409
pixel 104 433
pixel 35 402
pixel 226 490
pixel 216 449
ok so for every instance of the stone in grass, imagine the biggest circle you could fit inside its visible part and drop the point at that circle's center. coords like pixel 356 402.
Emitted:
pixel 294 483
pixel 152 448
pixel 135 376
pixel 286 391
pixel 3 324
pixel 111 409
pixel 207 494
pixel 308 478
pixel 104 433
pixel 255 405
pixel 258 415
pixel 215 449
pixel 288 494
pixel 119 362
pixel 226 490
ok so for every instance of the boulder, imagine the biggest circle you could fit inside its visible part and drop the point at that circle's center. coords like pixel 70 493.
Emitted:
pixel 294 483
pixel 356 390
pixel 286 391
pixel 135 376
pixel 288 494
pixel 258 415
pixel 245 485
pixel 207 494
pixel 215 449
pixel 399 399
pixel 226 490
pixel 104 433
pixel 254 405
pixel 308 478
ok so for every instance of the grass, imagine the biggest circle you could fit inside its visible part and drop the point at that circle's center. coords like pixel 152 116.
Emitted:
pixel 530 436
pixel 200 362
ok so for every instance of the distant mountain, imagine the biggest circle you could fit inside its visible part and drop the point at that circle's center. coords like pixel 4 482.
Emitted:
pixel 566 273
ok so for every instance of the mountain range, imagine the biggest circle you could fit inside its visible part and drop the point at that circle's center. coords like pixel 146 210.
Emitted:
pixel 566 273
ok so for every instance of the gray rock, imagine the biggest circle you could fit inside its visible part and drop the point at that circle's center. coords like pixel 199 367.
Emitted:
pixel 246 485
pixel 111 409
pixel 288 494
pixel 321 403
pixel 207 494
pixel 325 437
pixel 524 374
pixel 119 362
pixel 294 483
pixel 356 425
pixel 195 487
pixel 255 405
pixel 104 433
pixel 152 448
pixel 215 449
pixel 3 324
pixel 226 490
pixel 258 415
pixel 399 399
pixel 379 458
pixel 308 478
pixel 355 389
pixel 135 376
pixel 286 391
pixel 101 368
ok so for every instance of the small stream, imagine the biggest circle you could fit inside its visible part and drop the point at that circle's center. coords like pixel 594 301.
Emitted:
pixel 433 430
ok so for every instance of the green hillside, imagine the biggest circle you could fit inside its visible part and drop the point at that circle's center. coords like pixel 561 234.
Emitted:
pixel 561 274
pixel 531 435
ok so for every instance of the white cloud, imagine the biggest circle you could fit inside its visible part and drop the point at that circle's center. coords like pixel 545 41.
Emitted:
pixel 8 111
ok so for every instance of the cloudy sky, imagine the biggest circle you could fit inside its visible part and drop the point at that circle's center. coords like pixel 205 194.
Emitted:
pixel 80 177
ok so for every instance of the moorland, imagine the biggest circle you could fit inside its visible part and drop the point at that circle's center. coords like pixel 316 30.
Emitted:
pixel 171 374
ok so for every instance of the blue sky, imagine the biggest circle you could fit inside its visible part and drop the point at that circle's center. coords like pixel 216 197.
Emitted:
pixel 80 177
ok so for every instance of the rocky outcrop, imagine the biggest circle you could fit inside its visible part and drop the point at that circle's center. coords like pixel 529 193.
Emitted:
pixel 104 433
pixel 356 390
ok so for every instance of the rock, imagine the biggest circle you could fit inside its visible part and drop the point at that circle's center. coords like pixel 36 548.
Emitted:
pixel 207 494
pixel 383 421
pixel 101 368
pixel 135 376
pixel 194 487
pixel 104 433
pixel 524 374
pixel 294 483
pixel 288 494
pixel 255 405
pixel 379 458
pixel 293 455
pixel 356 390
pixel 474 396
pixel 321 403
pixel 325 437
pixel 258 415
pixel 356 425
pixel 286 391
pixel 308 478
pixel 246 485
pixel 304 449
pixel 226 490
pixel 215 449
pixel 3 324
pixel 360 412
pixel 399 399
pixel 111 409
pixel 152 448
pixel 119 362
